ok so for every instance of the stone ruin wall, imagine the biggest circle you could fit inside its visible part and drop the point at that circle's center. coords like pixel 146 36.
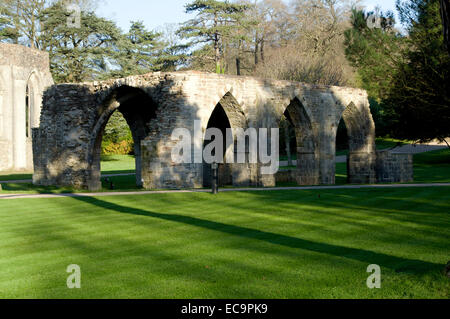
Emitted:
pixel 20 67
pixel 74 115
pixel 394 167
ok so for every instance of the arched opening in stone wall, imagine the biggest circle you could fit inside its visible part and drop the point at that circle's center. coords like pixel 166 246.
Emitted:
pixel 303 144
pixel 341 153
pixel 227 114
pixel 27 111
pixel 138 109
pixel 33 100
pixel 288 142
pixel 355 139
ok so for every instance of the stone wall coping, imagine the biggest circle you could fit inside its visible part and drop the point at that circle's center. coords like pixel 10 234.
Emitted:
pixel 269 82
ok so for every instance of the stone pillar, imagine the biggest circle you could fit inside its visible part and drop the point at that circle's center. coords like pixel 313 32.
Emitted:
pixel 138 162
pixel 241 172
pixel 307 172
pixel 394 167
pixel 361 167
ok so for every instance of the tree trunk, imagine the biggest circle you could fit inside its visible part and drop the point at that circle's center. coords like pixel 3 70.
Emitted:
pixel 262 50
pixel 238 66
pixel 445 14
pixel 216 45
pixel 256 50
pixel 238 59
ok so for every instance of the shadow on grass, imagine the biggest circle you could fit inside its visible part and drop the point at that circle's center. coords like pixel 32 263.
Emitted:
pixel 28 187
pixel 120 183
pixel 392 262
pixel 15 177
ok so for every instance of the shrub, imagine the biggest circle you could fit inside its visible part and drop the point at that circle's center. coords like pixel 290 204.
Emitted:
pixel 124 147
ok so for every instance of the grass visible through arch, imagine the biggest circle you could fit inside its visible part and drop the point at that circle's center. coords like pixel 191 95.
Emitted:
pixel 429 167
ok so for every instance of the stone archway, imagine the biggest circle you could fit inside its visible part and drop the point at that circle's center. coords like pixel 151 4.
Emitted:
pixel 33 103
pixel 307 171
pixel 228 114
pixel 361 142
pixel 138 109
pixel 68 140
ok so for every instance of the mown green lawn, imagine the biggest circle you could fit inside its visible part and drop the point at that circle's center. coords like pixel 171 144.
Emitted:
pixel 279 244
pixel 432 166
pixel 117 164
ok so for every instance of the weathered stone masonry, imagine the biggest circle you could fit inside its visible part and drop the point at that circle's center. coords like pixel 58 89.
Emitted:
pixel 67 143
pixel 24 75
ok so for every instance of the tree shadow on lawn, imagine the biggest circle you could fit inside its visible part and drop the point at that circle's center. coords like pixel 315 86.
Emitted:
pixel 403 207
pixel 397 264
pixel 368 210
pixel 29 187
pixel 122 250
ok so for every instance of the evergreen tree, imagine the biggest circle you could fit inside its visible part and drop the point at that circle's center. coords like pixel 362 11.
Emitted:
pixel 374 51
pixel 24 19
pixel 214 23
pixel 7 30
pixel 171 57
pixel 78 54
pixel 445 15
pixel 420 97
pixel 138 51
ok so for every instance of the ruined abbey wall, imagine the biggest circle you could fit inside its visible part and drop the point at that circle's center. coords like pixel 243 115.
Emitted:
pixel 67 143
pixel 24 75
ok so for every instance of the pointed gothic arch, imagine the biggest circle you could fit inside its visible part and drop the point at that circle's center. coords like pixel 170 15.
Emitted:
pixel 138 109
pixel 228 114
pixel 361 142
pixel 307 171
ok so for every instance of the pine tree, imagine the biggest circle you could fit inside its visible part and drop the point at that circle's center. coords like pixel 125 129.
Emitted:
pixel 7 30
pixel 214 23
pixel 138 51
pixel 78 54
pixel 373 51
pixel 420 97
pixel 445 15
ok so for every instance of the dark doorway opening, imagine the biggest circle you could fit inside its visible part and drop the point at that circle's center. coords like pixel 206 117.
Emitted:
pixel 219 120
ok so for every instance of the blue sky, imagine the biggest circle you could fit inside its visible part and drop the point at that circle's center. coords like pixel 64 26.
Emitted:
pixel 156 13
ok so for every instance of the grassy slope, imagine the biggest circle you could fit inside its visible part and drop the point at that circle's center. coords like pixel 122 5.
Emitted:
pixel 235 245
